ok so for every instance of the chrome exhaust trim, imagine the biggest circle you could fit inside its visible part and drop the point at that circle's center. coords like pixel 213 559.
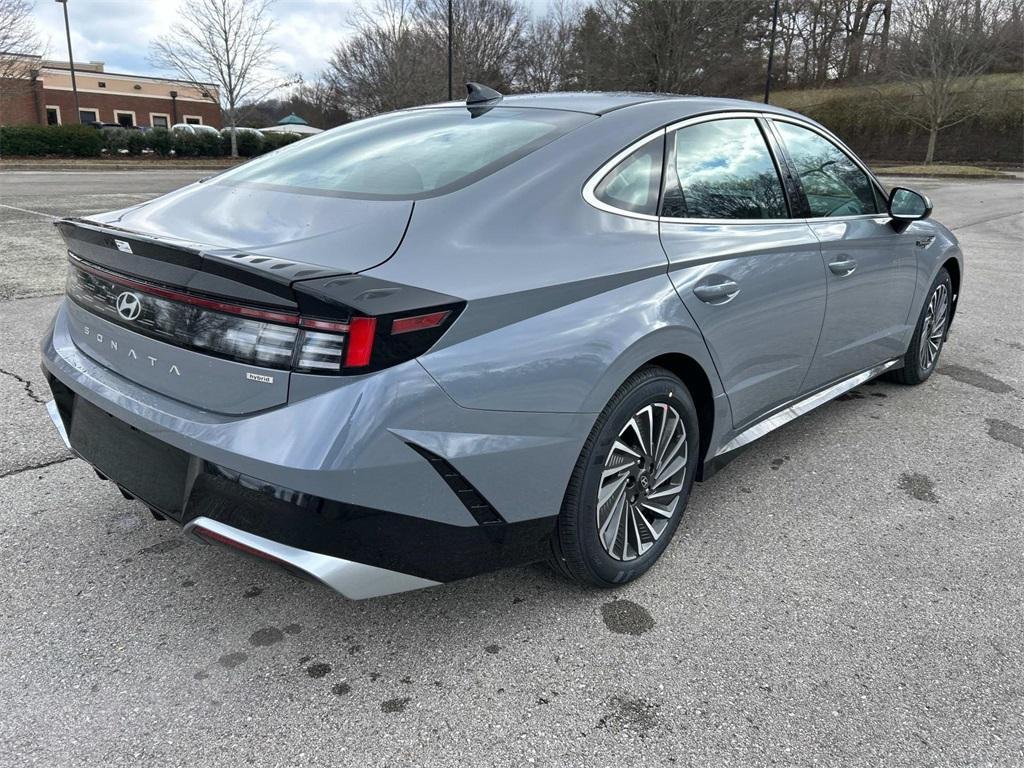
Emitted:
pixel 356 581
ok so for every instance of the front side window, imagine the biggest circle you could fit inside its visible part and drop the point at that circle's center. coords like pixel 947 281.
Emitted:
pixel 722 169
pixel 833 183
pixel 633 184
pixel 407 155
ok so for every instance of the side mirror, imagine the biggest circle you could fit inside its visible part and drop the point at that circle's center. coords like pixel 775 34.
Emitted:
pixel 906 205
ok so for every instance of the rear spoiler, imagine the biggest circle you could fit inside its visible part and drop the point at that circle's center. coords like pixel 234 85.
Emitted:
pixel 220 272
pixel 242 277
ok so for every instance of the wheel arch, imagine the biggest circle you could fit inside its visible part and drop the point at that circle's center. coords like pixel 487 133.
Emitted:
pixel 680 349
pixel 952 265
pixel 692 374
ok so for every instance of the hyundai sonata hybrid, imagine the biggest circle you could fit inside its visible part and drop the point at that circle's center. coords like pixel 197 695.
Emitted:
pixel 459 337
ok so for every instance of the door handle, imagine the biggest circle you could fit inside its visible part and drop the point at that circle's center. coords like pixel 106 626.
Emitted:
pixel 843 268
pixel 717 293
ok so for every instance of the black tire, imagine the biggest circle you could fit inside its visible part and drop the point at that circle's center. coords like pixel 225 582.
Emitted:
pixel 916 369
pixel 577 549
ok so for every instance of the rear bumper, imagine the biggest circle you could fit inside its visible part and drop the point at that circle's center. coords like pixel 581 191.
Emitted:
pixel 338 485
pixel 353 580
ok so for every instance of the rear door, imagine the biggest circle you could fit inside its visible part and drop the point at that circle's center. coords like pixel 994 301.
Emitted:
pixel 749 273
pixel 869 267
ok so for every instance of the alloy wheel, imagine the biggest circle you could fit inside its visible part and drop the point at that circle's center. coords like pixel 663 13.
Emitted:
pixel 642 481
pixel 934 327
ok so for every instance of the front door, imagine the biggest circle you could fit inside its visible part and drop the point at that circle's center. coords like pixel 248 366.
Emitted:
pixel 869 267
pixel 749 274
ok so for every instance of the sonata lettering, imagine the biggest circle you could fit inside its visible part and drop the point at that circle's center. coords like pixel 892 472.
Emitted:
pixel 172 369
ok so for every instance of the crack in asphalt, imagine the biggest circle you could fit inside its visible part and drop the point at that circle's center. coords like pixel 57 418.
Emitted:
pixel 26 384
pixel 40 465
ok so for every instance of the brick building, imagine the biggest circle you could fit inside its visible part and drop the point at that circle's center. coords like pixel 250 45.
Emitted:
pixel 44 96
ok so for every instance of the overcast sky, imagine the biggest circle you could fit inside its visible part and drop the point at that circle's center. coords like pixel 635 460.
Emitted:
pixel 118 32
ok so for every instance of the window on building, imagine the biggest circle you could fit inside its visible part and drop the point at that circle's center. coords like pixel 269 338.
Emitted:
pixel 124 119
pixel 101 84
pixel 159 121
pixel 53 115
pixel 193 120
pixel 88 115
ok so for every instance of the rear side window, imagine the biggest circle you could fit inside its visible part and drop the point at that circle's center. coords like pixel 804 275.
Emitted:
pixel 634 184
pixel 407 155
pixel 722 169
pixel 833 183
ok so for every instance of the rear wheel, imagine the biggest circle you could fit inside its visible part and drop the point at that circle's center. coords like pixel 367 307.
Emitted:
pixel 930 334
pixel 631 483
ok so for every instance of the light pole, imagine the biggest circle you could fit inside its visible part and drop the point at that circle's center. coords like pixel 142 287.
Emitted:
pixel 449 50
pixel 771 52
pixel 71 60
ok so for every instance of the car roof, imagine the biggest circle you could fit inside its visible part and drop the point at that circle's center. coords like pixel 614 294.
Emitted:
pixel 602 102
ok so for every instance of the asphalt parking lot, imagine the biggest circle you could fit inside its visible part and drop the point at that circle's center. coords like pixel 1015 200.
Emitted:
pixel 850 591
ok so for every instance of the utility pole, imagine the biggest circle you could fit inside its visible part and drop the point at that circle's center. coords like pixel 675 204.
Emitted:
pixel 771 53
pixel 449 50
pixel 71 60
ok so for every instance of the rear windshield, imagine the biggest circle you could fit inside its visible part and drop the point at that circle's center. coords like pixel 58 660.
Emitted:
pixel 407 155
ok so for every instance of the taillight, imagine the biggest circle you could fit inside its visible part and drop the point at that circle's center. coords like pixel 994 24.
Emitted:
pixel 268 338
pixel 320 352
pixel 360 342
pixel 418 322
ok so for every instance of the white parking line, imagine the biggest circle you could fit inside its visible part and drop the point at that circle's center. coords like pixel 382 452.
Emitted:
pixel 26 210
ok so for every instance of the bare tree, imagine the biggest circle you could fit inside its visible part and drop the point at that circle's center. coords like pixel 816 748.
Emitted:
pixel 686 46
pixel 225 43
pixel 944 47
pixel 322 100
pixel 19 47
pixel 545 56
pixel 382 65
pixel 485 37
pixel 397 56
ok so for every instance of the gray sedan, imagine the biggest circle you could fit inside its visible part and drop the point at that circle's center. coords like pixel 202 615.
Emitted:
pixel 458 337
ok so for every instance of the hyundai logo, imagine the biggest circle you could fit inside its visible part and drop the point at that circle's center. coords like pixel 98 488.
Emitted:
pixel 129 306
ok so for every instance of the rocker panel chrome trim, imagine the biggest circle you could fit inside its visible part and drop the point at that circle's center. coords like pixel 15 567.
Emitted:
pixel 356 581
pixel 802 406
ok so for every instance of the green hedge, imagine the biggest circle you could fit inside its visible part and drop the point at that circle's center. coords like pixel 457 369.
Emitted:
pixel 65 140
pixel 85 141
pixel 868 124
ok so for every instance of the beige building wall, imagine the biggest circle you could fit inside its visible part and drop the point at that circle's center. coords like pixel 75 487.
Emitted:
pixel 89 82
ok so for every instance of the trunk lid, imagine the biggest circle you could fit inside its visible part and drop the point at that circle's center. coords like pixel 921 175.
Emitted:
pixel 337 234
pixel 208 245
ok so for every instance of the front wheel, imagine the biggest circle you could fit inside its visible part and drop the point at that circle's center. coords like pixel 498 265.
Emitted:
pixel 631 483
pixel 930 334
